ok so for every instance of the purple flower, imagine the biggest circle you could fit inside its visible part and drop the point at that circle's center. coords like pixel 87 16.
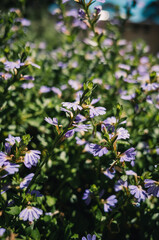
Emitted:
pixel 80 141
pixel 12 140
pixel 44 89
pixel 110 202
pixel 87 196
pixel 11 65
pixel 75 84
pixel 130 173
pixel 153 187
pixel 27 85
pixel 98 150
pixel 7 148
pixel 120 185
pixel 150 86
pixel 128 97
pixel 102 1
pixel 96 111
pixel 98 9
pixel 10 168
pixel 26 181
pixel 128 156
pixel 53 121
pixel 110 174
pixel 81 14
pixel 82 127
pixel 74 105
pixel 69 133
pixel 27 77
pixel 57 91
pixel 80 118
pixel 3 157
pixel 138 192
pixel 89 237
pixel 122 133
pixel 31 158
pixel 30 213
pixel 2 231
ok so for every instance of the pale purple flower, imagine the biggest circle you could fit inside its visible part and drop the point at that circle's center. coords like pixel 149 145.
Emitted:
pixel 98 150
pixel 150 86
pixel 7 148
pixel 87 196
pixel 31 158
pixel 75 84
pixel 89 237
pixel 74 105
pixel 11 65
pixel 138 192
pixel 72 13
pixel 65 1
pixel 124 66
pixel 44 89
pixel 122 133
pixel 62 65
pixel 57 91
pixel 153 187
pixel 12 140
pixel 26 180
pixel 119 74
pixel 28 77
pixel 96 111
pixel 101 1
pixel 110 174
pixel 69 133
pixel 2 231
pixel 3 157
pixel 10 168
pixel 128 97
pixel 128 156
pixel 120 185
pixel 80 118
pixel 30 213
pixel 53 121
pixel 82 127
pixel 25 22
pixel 110 202
pixel 130 173
pixel 80 141
pixel 27 85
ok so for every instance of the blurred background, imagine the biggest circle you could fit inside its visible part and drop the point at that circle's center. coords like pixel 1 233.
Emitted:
pixel 141 17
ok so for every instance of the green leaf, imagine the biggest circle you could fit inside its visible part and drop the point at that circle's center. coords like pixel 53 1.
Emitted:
pixel 14 210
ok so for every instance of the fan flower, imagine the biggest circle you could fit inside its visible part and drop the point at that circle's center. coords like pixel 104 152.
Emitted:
pixel 87 196
pixel 128 156
pixel 110 202
pixel 153 187
pixel 98 150
pixel 26 180
pixel 138 192
pixel 74 105
pixel 120 185
pixel 31 158
pixel 89 237
pixel 110 174
pixel 2 231
pixel 12 140
pixel 30 213
pixel 122 133
pixel 53 121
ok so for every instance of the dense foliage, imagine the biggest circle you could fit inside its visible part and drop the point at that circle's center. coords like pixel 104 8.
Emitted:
pixel 79 129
